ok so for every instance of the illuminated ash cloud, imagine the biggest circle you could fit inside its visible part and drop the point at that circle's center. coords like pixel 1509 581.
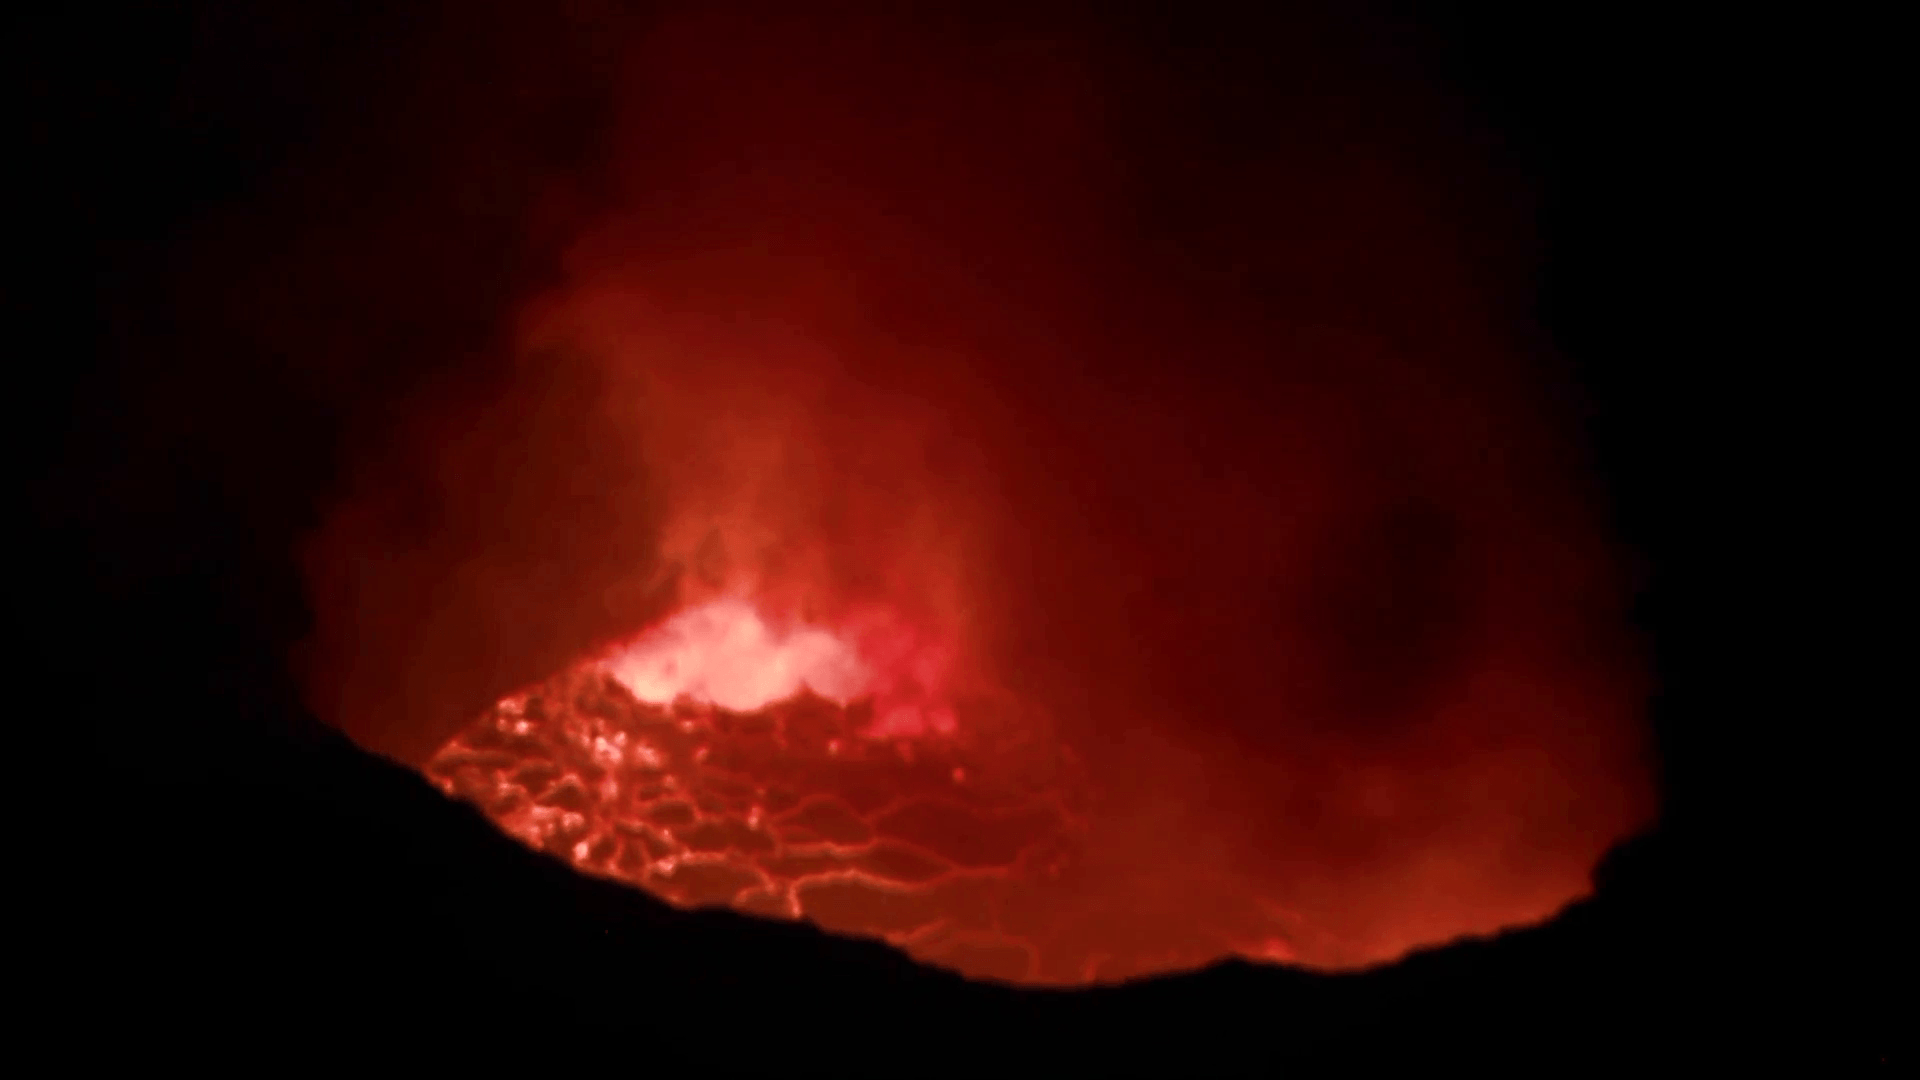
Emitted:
pixel 963 507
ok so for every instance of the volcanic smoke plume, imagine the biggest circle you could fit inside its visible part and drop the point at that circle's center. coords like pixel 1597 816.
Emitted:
pixel 988 491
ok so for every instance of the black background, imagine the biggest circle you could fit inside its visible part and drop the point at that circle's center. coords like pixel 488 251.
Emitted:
pixel 220 875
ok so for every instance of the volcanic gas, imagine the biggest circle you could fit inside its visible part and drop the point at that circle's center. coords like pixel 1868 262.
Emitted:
pixel 941 499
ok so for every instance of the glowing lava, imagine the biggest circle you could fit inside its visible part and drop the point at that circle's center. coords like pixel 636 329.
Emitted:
pixel 945 844
pixel 725 653
pixel 794 771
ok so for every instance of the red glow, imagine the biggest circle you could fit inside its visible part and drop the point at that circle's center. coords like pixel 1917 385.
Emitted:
pixel 1148 617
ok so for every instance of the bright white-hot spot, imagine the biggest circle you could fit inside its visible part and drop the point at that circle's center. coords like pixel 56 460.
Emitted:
pixel 725 653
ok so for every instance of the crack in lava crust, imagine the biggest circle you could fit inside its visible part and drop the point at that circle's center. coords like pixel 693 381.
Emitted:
pixel 964 850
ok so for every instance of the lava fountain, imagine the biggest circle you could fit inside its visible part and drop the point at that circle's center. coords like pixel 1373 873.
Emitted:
pixel 889 522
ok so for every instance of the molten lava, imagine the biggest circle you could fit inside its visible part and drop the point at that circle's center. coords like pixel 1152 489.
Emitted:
pixel 724 653
pixel 801 810
pixel 706 763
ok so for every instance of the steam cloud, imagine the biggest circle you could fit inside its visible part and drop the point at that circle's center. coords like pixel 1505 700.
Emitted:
pixel 978 350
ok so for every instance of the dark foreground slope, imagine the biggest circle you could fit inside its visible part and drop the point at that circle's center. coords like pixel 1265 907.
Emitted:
pixel 330 899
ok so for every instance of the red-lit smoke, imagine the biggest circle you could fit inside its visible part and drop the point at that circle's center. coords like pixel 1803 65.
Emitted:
pixel 932 368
